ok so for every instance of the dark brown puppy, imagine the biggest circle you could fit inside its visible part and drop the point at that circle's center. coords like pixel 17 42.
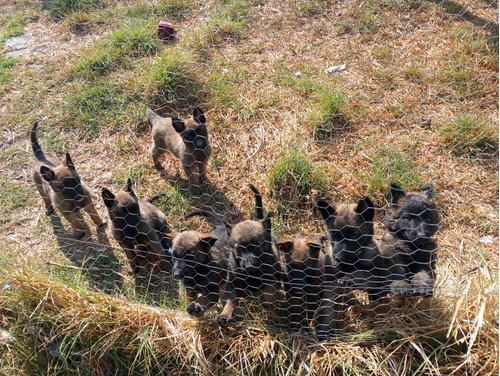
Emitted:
pixel 185 139
pixel 138 222
pixel 411 221
pixel 60 186
pixel 201 261
pixel 304 262
pixel 354 262
pixel 253 265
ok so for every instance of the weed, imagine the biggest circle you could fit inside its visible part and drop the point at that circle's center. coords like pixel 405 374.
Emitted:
pixel 132 172
pixel 470 136
pixel 414 72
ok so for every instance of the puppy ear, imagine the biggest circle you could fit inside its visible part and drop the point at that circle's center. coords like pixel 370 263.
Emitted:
pixel 325 209
pixel 128 187
pixel 68 162
pixel 178 125
pixel 109 198
pixel 207 241
pixel 365 209
pixel 397 193
pixel 199 116
pixel 266 222
pixel 47 173
pixel 428 189
pixel 285 245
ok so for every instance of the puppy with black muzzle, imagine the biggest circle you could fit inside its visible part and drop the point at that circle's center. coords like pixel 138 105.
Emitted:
pixel 304 261
pixel 254 264
pixel 138 223
pixel 185 139
pixel 411 221
pixel 200 260
pixel 60 186
pixel 355 261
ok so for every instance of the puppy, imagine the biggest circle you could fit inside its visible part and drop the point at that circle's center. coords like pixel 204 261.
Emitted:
pixel 185 139
pixel 201 261
pixel 304 258
pixel 354 262
pixel 411 221
pixel 253 265
pixel 60 186
pixel 138 222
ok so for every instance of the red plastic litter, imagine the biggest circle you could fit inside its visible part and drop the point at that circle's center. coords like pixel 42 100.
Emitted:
pixel 166 31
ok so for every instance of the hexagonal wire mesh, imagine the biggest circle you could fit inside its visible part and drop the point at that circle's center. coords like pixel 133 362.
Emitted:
pixel 324 263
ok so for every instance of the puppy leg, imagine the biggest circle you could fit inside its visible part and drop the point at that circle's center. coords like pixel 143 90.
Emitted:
pixel 49 209
pixel 128 248
pixel 202 304
pixel 91 210
pixel 77 224
pixel 422 283
pixel 203 172
pixel 156 152
pixel 231 296
pixel 192 176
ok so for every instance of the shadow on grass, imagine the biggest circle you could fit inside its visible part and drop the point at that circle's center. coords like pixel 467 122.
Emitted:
pixel 93 257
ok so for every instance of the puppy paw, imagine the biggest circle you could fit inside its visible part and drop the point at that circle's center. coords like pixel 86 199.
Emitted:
pixel 79 234
pixel 224 320
pixel 195 309
pixel 422 290
pixel 401 288
pixel 49 211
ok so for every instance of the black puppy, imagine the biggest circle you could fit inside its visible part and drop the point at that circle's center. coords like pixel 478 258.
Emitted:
pixel 411 221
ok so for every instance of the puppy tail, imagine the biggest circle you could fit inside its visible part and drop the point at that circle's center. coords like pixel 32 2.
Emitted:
pixel 155 197
pixel 215 220
pixel 37 150
pixel 259 210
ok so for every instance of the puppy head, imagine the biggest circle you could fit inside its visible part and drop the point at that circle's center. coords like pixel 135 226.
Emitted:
pixel 65 181
pixel 190 250
pixel 250 240
pixel 350 228
pixel 123 207
pixel 303 260
pixel 193 131
pixel 412 216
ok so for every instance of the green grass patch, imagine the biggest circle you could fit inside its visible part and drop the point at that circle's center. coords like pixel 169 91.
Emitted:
pixel 389 165
pixel 119 50
pixel 59 9
pixel 14 196
pixel 167 9
pixel 172 80
pixel 102 104
pixel 7 64
pixel 330 115
pixel 293 180
pixel 470 137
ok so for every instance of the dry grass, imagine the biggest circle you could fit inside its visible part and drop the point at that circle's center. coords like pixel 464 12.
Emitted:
pixel 260 83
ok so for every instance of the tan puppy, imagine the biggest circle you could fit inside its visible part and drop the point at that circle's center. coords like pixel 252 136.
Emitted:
pixel 185 139
pixel 304 261
pixel 138 222
pixel 60 186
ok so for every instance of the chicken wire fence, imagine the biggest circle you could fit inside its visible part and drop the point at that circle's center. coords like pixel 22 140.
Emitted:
pixel 303 257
